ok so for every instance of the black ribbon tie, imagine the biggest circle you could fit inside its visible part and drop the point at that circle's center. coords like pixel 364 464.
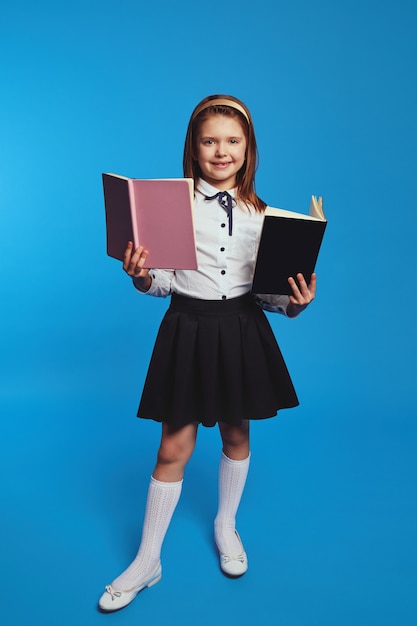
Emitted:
pixel 226 201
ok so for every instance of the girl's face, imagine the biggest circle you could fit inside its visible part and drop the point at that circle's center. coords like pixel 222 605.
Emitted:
pixel 221 151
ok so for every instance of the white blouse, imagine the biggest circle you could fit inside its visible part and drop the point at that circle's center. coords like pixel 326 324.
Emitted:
pixel 226 263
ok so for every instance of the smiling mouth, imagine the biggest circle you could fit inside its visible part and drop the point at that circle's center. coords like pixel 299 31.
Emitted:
pixel 221 165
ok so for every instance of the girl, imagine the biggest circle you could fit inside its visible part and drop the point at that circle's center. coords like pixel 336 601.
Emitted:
pixel 215 360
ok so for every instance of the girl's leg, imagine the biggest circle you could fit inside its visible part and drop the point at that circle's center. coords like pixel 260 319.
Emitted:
pixel 234 465
pixel 235 440
pixel 165 486
pixel 175 450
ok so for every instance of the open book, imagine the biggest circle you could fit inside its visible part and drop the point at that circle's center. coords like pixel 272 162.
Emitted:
pixel 156 214
pixel 289 244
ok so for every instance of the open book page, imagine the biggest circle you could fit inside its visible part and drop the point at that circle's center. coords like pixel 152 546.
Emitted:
pixel 316 211
pixel 316 208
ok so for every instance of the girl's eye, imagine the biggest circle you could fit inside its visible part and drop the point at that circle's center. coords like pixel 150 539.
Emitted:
pixel 208 142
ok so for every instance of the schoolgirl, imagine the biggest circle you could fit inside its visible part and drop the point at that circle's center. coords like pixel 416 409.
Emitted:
pixel 215 359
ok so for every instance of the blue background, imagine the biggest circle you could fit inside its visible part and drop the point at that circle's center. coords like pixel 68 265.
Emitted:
pixel 329 515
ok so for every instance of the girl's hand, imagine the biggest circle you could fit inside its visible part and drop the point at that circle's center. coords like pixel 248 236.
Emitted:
pixel 302 295
pixel 133 265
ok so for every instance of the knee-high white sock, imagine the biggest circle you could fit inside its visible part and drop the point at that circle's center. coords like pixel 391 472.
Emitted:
pixel 160 506
pixel 232 479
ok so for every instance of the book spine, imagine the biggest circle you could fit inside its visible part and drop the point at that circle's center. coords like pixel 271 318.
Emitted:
pixel 133 213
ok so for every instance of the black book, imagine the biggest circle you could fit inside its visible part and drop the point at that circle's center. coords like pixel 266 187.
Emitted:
pixel 289 245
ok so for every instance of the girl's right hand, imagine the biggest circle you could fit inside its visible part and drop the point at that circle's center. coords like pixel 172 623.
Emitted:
pixel 133 265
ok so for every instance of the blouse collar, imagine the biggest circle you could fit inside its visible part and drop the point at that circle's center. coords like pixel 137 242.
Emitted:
pixel 208 190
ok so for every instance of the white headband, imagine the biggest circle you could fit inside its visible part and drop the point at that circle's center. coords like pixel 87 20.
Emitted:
pixel 221 101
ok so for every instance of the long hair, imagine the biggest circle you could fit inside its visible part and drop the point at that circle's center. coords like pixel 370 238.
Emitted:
pixel 231 107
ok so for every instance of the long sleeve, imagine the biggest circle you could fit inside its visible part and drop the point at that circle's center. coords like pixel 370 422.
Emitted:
pixel 273 303
pixel 161 283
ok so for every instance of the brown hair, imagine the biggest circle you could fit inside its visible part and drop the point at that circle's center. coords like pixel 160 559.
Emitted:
pixel 228 106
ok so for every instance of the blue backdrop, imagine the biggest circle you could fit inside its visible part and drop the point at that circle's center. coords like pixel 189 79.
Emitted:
pixel 330 511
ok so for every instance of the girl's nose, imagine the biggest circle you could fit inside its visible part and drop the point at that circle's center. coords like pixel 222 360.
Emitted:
pixel 221 149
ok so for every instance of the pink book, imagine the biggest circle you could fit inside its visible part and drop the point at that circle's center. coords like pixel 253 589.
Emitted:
pixel 156 214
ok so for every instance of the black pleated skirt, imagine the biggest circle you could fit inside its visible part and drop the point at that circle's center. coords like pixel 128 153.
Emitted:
pixel 215 361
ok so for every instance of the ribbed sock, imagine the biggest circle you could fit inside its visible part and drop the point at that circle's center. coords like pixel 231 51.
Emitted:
pixel 160 506
pixel 232 479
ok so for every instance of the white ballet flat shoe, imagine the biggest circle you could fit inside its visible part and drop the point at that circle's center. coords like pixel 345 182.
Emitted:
pixel 234 565
pixel 113 599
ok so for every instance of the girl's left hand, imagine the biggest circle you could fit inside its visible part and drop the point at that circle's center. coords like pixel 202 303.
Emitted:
pixel 302 295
